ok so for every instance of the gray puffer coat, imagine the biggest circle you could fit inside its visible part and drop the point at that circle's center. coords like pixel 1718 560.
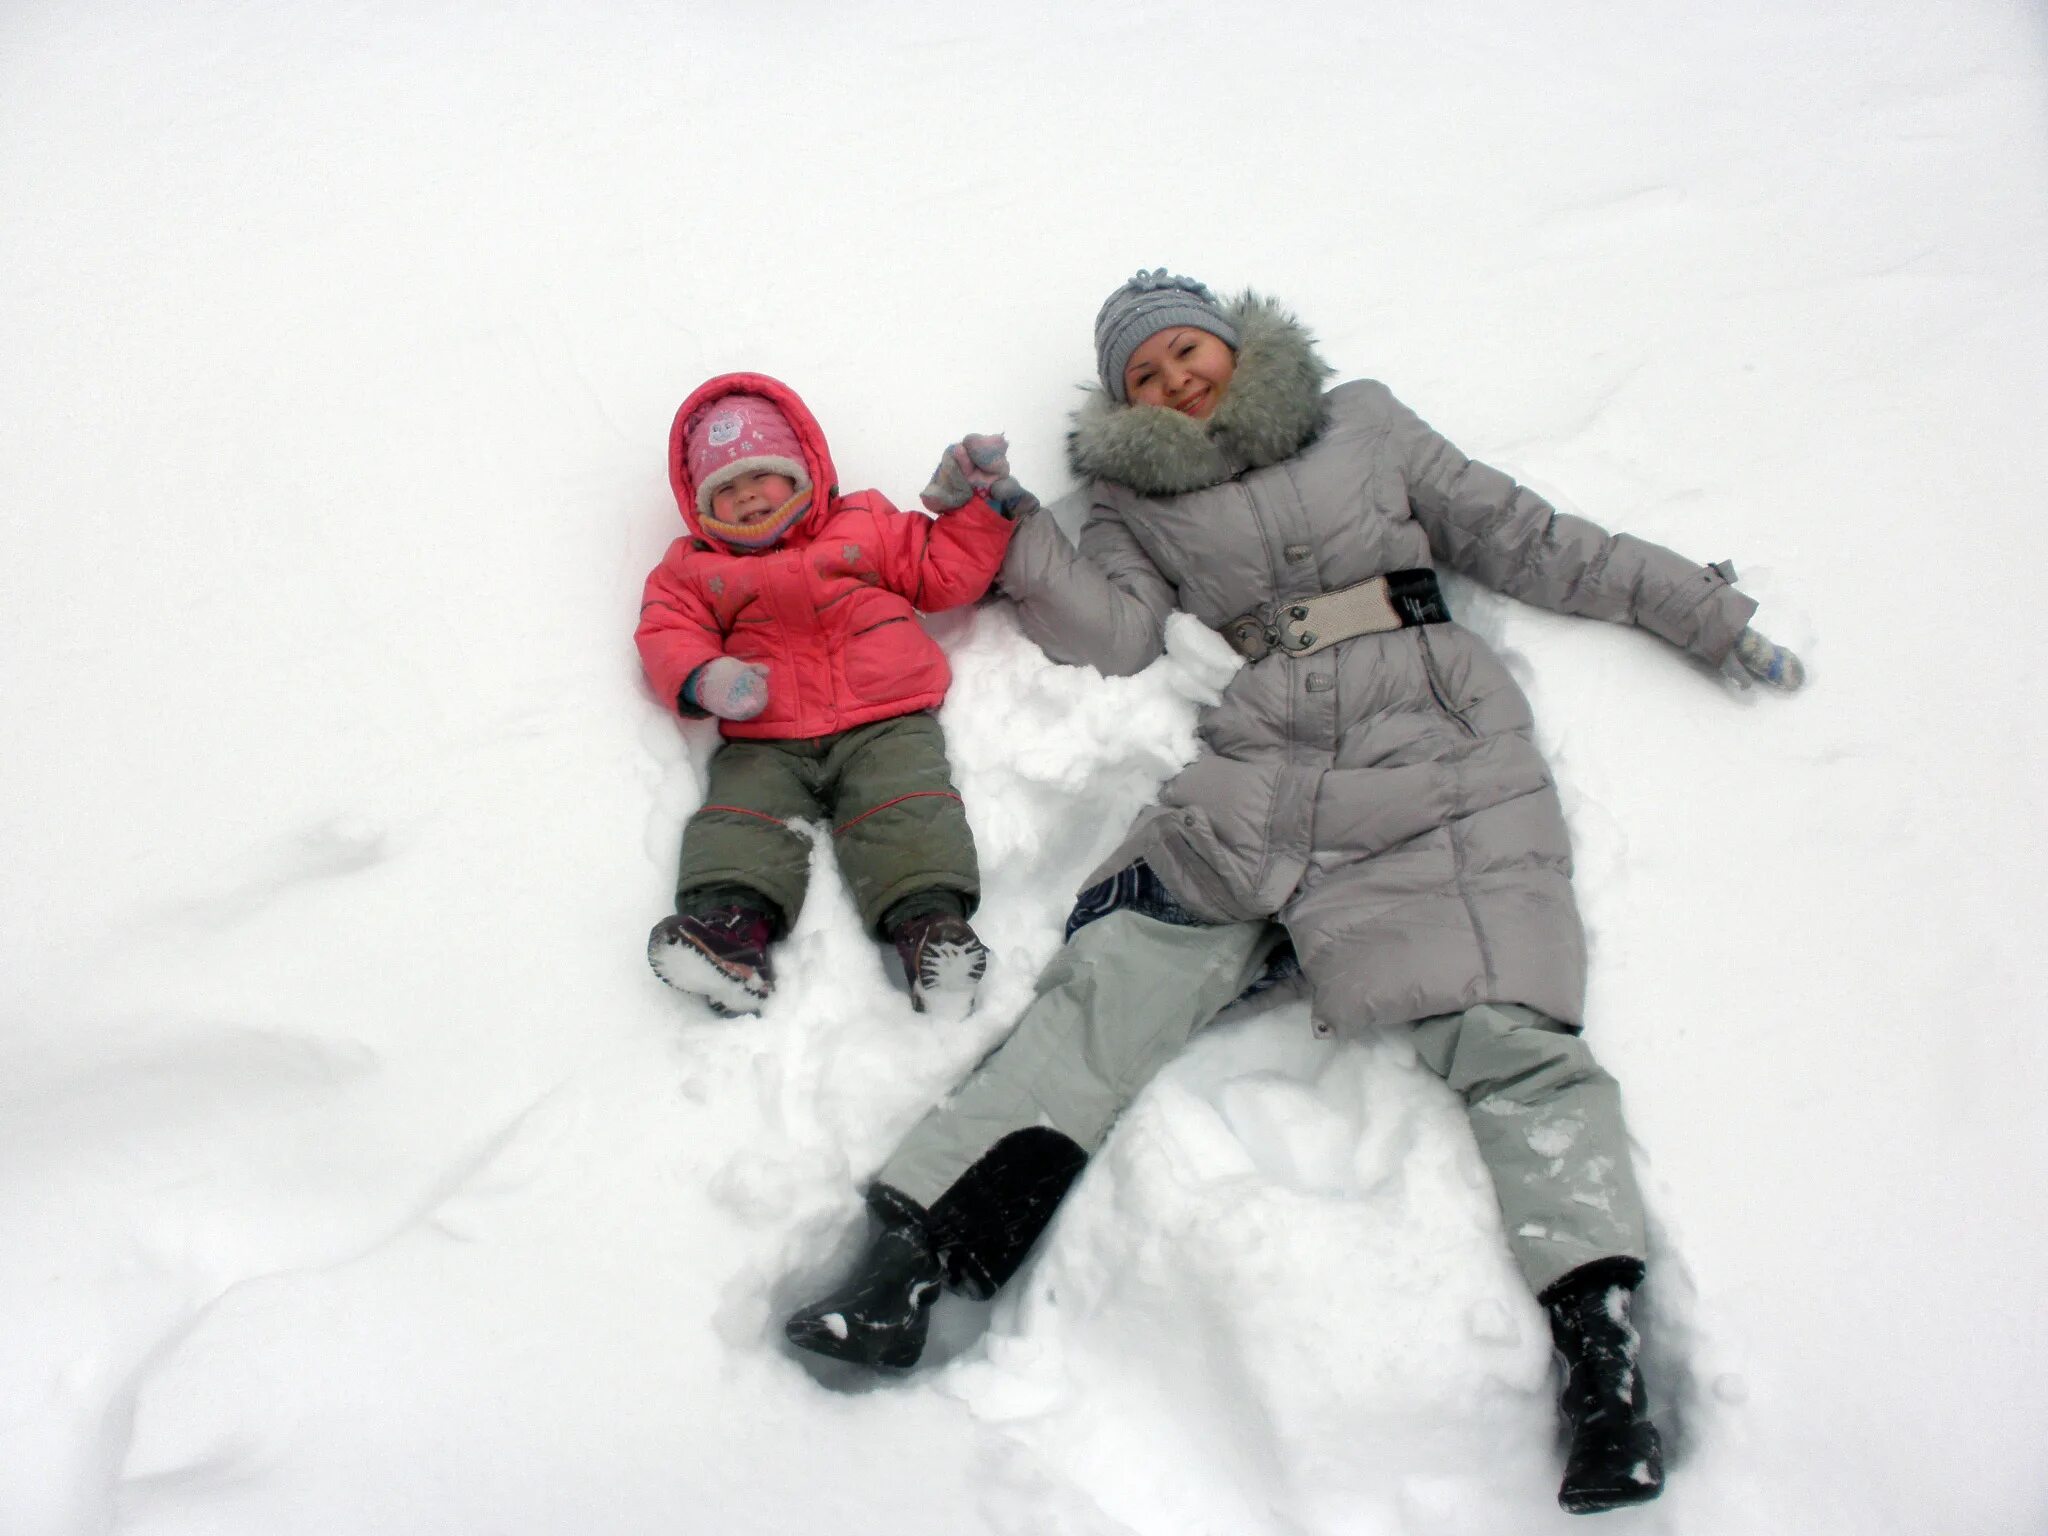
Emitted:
pixel 1383 798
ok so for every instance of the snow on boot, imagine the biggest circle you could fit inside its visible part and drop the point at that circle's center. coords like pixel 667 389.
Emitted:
pixel 720 956
pixel 1616 1458
pixel 943 961
pixel 881 1314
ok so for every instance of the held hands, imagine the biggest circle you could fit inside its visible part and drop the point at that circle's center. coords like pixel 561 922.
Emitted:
pixel 1771 665
pixel 978 462
pixel 729 689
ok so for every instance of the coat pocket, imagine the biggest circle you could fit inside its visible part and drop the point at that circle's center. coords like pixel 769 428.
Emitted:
pixel 1212 844
pixel 888 656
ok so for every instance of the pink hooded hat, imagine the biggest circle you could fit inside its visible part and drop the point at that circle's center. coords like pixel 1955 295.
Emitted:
pixel 737 435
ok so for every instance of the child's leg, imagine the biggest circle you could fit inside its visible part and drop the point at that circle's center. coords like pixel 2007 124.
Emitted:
pixel 742 839
pixel 897 822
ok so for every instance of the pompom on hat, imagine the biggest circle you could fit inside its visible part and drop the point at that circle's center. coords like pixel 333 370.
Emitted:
pixel 1149 303
pixel 738 435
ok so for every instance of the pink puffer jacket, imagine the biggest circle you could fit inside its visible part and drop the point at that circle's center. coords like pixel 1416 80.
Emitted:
pixel 831 610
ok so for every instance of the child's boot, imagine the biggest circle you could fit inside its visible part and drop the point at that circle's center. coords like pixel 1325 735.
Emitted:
pixel 943 960
pixel 882 1312
pixel 720 955
pixel 1615 1458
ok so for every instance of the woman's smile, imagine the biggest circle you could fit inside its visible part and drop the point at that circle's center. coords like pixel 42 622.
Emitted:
pixel 1184 369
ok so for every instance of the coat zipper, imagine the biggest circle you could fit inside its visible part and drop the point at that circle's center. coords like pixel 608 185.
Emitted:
pixel 1436 686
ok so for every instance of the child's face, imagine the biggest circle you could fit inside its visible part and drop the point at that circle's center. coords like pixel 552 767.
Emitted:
pixel 1183 369
pixel 751 497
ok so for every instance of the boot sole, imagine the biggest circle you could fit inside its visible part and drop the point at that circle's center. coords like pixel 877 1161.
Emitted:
pixel 948 980
pixel 690 970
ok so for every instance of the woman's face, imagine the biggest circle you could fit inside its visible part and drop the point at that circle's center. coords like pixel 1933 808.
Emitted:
pixel 1183 369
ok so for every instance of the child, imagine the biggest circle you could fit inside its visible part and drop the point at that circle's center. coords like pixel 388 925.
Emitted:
pixel 789 611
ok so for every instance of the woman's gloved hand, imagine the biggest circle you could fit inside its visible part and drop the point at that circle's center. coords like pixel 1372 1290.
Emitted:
pixel 980 462
pixel 1199 662
pixel 1768 663
pixel 729 689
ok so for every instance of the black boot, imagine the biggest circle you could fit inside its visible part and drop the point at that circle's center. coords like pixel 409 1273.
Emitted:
pixel 1616 1458
pixel 880 1315
pixel 989 1220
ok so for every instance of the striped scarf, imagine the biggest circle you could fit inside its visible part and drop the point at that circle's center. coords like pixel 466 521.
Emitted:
pixel 759 535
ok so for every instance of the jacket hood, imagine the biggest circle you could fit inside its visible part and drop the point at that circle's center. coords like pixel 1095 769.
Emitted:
pixel 1274 405
pixel 816 455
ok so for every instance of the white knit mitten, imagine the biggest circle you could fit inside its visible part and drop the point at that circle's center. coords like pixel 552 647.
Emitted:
pixel 729 689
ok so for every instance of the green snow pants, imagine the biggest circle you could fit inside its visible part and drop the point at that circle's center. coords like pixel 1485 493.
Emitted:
pixel 885 789
pixel 1128 991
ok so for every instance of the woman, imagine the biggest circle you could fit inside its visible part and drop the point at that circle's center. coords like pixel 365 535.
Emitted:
pixel 1369 790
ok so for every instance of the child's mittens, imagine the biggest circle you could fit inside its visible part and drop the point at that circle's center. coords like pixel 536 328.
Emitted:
pixel 1768 663
pixel 990 455
pixel 729 689
pixel 977 462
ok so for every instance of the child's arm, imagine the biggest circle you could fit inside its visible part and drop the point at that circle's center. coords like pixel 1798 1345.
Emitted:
pixel 678 633
pixel 940 562
pixel 1480 522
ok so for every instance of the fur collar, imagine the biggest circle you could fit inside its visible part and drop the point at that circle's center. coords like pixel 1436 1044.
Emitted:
pixel 1273 407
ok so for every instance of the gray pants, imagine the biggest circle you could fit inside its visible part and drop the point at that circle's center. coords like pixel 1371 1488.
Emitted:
pixel 1128 991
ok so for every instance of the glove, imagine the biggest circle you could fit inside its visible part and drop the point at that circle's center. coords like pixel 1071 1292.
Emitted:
pixel 977 462
pixel 1199 662
pixel 729 689
pixel 1010 498
pixel 1769 664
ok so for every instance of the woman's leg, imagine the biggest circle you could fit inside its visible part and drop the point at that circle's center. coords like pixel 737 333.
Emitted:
pixel 992 1162
pixel 1548 1121
pixel 973 1186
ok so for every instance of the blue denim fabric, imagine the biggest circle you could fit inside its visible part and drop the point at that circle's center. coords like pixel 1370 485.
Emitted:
pixel 1136 888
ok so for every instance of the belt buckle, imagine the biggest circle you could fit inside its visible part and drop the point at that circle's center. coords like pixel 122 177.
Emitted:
pixel 1251 637
pixel 1289 635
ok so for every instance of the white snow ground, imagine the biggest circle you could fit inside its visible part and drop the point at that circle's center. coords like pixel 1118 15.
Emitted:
pixel 356 1175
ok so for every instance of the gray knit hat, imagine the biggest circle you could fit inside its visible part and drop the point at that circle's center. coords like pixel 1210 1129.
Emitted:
pixel 1149 303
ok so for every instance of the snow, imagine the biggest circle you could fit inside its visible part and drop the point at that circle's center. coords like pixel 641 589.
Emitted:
pixel 355 1172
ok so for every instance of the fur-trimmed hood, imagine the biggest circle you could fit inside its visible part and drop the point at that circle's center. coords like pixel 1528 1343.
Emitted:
pixel 1274 406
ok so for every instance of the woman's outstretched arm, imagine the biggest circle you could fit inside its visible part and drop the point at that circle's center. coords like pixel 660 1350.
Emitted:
pixel 1480 522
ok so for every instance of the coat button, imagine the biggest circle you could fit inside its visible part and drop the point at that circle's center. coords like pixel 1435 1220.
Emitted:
pixel 1296 553
pixel 1320 682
